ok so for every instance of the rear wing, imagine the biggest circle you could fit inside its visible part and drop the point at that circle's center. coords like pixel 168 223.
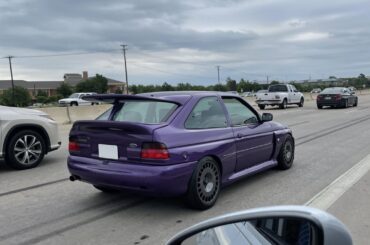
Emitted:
pixel 117 98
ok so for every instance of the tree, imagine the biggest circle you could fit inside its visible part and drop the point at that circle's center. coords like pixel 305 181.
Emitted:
pixel 220 87
pixel 64 90
pixel 22 97
pixel 231 84
pixel 167 87
pixel 98 84
pixel 274 82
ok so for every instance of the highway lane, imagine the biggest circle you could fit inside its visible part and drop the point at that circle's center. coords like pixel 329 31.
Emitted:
pixel 75 213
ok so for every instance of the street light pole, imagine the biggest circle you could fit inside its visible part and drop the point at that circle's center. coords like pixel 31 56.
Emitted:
pixel 124 47
pixel 11 75
pixel 218 73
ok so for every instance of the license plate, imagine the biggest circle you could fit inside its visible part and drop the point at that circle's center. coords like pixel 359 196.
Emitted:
pixel 328 98
pixel 108 151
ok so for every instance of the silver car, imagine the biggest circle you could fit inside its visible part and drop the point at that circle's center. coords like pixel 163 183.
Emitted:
pixel 26 136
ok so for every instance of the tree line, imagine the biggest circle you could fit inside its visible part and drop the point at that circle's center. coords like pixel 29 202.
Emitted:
pixel 99 84
pixel 247 86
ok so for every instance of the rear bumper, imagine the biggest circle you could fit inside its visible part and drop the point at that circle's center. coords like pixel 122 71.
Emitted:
pixel 269 102
pixel 337 103
pixel 170 180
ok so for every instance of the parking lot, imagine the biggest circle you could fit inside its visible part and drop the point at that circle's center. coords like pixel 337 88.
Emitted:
pixel 41 206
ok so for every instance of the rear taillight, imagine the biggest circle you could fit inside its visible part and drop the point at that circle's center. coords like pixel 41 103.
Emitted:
pixel 154 151
pixel 338 97
pixel 73 146
pixel 319 97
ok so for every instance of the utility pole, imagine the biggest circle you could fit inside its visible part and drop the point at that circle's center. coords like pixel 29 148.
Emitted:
pixel 124 48
pixel 11 75
pixel 218 73
pixel 267 79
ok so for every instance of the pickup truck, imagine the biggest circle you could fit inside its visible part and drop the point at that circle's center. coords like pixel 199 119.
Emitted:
pixel 281 95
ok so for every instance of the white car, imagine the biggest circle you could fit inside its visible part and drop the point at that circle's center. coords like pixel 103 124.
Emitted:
pixel 26 135
pixel 76 100
pixel 281 95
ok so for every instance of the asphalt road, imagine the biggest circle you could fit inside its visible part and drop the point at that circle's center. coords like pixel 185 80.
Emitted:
pixel 40 206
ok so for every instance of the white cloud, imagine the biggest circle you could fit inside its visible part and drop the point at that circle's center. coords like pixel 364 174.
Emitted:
pixel 307 36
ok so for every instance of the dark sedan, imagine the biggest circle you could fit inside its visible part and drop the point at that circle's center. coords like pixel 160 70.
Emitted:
pixel 176 143
pixel 336 97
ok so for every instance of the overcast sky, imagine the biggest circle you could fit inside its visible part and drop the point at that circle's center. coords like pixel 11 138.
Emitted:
pixel 184 41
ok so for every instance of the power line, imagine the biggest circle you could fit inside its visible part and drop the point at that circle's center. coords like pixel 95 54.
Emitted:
pixel 167 72
pixel 60 54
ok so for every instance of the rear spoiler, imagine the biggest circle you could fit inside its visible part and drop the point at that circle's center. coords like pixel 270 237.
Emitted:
pixel 116 98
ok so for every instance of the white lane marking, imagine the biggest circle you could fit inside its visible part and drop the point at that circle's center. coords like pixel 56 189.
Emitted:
pixel 325 198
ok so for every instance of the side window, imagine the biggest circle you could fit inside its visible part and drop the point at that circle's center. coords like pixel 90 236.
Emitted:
pixel 294 89
pixel 208 113
pixel 239 113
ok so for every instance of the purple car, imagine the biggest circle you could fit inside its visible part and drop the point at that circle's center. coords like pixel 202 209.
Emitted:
pixel 176 144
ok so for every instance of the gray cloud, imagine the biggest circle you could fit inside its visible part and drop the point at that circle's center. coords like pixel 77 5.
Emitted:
pixel 245 37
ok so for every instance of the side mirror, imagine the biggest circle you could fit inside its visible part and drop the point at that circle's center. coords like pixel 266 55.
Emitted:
pixel 271 225
pixel 352 92
pixel 266 117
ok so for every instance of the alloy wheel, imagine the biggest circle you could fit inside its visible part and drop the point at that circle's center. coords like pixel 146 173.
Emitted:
pixel 208 182
pixel 27 149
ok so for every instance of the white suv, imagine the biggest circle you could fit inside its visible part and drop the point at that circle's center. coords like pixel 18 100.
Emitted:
pixel 76 100
pixel 26 136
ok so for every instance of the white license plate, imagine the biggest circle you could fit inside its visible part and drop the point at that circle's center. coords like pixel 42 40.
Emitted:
pixel 328 98
pixel 108 151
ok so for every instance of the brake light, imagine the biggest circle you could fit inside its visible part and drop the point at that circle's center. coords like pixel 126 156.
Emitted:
pixel 338 97
pixel 154 151
pixel 73 146
pixel 319 97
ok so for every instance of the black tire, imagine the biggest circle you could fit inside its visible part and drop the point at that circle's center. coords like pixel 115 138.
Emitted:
pixel 262 107
pixel 25 150
pixel 319 107
pixel 286 154
pixel 105 189
pixel 356 102
pixel 284 104
pixel 205 184
pixel 345 104
pixel 74 103
pixel 301 102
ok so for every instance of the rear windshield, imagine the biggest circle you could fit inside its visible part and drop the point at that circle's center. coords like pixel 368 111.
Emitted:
pixel 151 112
pixel 278 88
pixel 333 91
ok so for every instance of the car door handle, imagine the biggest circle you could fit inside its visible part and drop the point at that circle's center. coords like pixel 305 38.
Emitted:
pixel 239 135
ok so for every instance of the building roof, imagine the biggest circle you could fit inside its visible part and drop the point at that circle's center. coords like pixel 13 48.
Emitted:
pixel 6 84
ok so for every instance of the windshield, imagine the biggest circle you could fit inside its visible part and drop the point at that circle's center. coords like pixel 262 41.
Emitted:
pixel 151 112
pixel 278 88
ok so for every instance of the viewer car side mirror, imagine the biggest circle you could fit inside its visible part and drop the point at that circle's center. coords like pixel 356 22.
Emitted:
pixel 266 117
pixel 270 225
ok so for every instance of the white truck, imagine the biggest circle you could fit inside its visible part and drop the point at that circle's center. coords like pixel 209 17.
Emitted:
pixel 76 100
pixel 281 95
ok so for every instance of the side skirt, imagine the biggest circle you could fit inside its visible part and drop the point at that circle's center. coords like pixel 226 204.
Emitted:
pixel 250 171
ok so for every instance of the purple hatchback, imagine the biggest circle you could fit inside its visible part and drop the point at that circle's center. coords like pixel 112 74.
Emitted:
pixel 176 143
